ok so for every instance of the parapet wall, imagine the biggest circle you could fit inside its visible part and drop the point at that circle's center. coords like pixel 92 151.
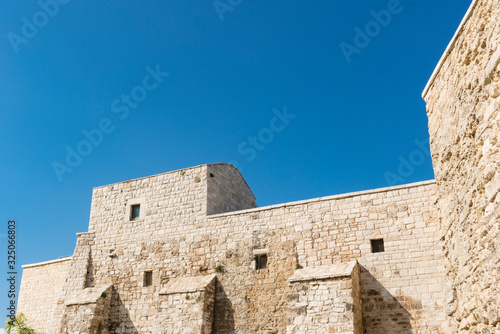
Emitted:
pixel 463 106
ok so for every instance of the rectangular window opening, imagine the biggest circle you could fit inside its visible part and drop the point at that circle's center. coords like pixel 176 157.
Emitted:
pixel 135 211
pixel 148 278
pixel 260 261
pixel 377 245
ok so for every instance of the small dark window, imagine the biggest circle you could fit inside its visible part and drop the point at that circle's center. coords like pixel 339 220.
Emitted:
pixel 148 278
pixel 135 211
pixel 261 261
pixel 378 245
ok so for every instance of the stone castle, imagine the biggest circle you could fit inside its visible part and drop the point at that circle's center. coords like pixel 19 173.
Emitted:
pixel 189 252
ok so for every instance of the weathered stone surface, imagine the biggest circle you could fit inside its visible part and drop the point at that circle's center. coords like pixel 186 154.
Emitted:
pixel 440 261
pixel 188 305
pixel 323 272
pixel 326 299
pixel 400 290
pixel 89 296
pixel 463 103
pixel 87 312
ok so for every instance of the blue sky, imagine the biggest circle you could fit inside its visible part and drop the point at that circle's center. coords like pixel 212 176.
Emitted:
pixel 265 85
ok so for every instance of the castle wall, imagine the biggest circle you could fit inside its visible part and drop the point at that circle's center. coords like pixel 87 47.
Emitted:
pixel 166 200
pixel 463 103
pixel 124 249
pixel 401 288
pixel 41 286
pixel 87 312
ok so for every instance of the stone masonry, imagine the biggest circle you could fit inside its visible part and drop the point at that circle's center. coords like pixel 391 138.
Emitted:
pixel 190 304
pixel 254 257
pixel 41 286
pixel 463 103
pixel 189 252
pixel 326 299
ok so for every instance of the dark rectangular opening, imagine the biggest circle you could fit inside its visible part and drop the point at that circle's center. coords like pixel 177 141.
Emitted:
pixel 377 245
pixel 135 211
pixel 261 261
pixel 148 278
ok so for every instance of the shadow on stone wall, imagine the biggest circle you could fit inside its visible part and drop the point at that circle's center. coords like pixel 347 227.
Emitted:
pixel 120 316
pixel 384 313
pixel 223 311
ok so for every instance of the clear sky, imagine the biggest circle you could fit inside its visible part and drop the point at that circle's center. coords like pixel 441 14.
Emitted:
pixel 309 98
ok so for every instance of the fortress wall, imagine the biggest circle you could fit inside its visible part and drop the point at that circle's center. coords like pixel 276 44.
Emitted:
pixel 41 286
pixel 123 249
pixel 401 288
pixel 463 103
pixel 171 203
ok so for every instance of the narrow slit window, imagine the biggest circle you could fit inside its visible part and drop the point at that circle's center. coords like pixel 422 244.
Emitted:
pixel 135 211
pixel 378 245
pixel 148 278
pixel 261 261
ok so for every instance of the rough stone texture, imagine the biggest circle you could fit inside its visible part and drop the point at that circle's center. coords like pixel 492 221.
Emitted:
pixel 87 312
pixel 401 290
pixel 227 193
pixel 463 103
pixel 189 227
pixel 188 305
pixel 326 299
pixel 41 286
